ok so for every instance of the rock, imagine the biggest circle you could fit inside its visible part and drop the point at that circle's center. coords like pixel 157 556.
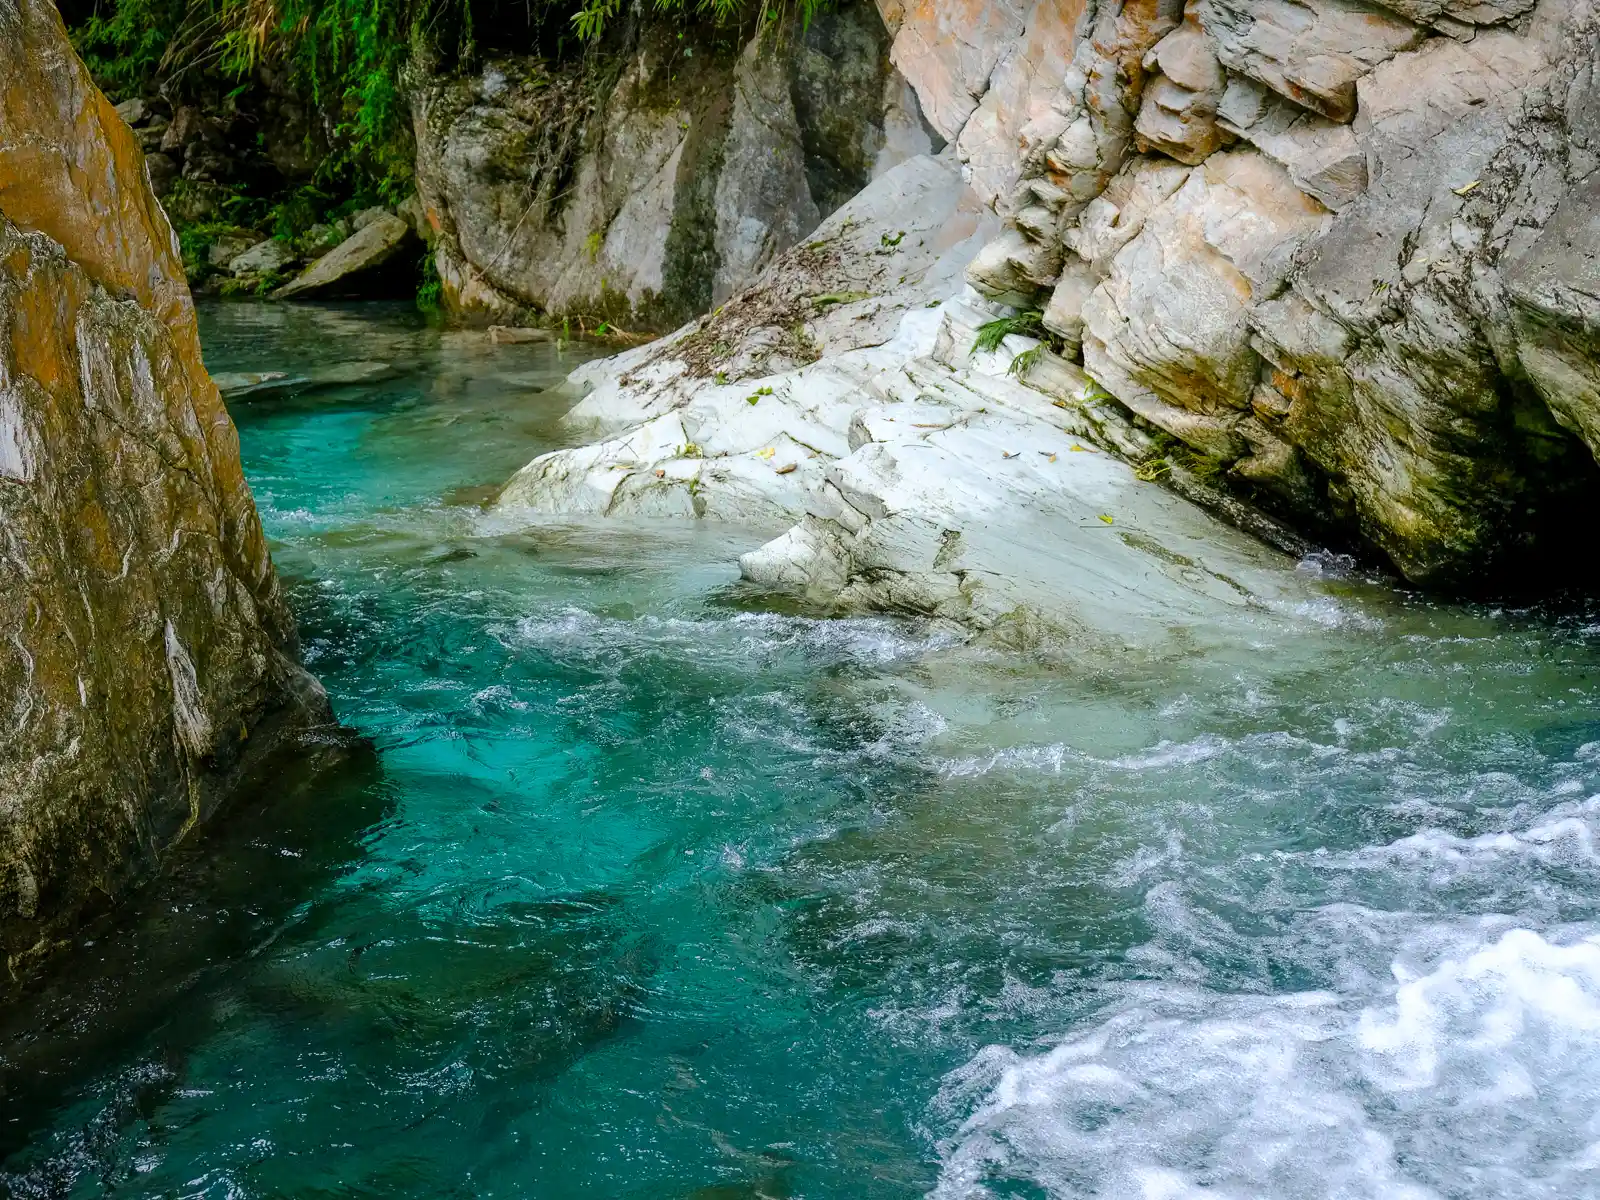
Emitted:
pixel 204 165
pixel 149 664
pixel 161 171
pixel 1063 316
pixel 366 216
pixel 1468 13
pixel 1555 291
pixel 229 247
pixel 411 211
pixel 1410 369
pixel 695 389
pixel 949 52
pixel 1310 51
pixel 1014 268
pixel 184 129
pixel 1019 109
pixel 132 111
pixel 658 203
pixel 1168 332
pixel 510 335
pixel 239 384
pixel 341 270
pixel 263 258
pixel 762 202
pixel 1178 114
pixel 320 238
pixel 1323 157
pixel 151 133
pixel 980 509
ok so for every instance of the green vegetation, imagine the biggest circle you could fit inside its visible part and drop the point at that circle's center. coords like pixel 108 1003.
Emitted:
pixel 341 71
pixel 348 58
pixel 992 333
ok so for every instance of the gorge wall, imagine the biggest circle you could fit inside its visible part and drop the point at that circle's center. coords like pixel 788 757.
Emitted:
pixel 1343 253
pixel 650 182
pixel 147 660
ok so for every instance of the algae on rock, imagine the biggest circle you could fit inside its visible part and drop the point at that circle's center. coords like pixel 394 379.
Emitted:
pixel 147 657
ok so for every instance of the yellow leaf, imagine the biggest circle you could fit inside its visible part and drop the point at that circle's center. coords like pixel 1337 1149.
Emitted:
pixel 1107 519
pixel 1464 189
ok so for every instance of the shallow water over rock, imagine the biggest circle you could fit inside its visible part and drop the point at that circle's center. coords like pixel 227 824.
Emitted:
pixel 649 894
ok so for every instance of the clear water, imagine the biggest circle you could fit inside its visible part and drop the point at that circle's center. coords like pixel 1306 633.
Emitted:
pixel 649 894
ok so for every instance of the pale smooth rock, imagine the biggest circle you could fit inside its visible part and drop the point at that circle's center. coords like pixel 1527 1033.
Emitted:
pixel 261 258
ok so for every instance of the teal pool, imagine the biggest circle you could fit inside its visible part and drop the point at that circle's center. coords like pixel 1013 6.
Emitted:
pixel 652 891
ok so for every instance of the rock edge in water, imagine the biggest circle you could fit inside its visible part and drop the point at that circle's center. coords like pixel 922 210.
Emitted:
pixel 148 661
pixel 1363 307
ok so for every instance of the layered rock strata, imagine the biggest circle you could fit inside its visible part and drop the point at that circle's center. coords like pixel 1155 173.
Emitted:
pixel 146 654
pixel 1343 260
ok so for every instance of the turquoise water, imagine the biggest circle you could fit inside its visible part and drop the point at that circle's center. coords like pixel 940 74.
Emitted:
pixel 648 891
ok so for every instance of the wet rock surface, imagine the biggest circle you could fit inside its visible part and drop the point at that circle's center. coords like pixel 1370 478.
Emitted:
pixel 148 663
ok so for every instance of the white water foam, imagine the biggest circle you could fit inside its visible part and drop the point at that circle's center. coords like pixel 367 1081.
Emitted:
pixel 1479 1077
pixel 867 640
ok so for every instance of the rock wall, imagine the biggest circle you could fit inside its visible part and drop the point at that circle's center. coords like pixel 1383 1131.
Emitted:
pixel 650 185
pixel 1341 253
pixel 146 653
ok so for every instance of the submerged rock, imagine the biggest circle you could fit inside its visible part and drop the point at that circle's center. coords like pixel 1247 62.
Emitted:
pixel 147 657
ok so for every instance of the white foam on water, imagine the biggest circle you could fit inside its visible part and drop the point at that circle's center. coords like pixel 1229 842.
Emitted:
pixel 1566 834
pixel 867 640
pixel 1477 1077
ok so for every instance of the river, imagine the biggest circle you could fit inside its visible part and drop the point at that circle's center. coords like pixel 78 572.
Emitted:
pixel 655 889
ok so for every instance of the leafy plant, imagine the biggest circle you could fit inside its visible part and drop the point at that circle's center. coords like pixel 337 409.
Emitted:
pixel 992 333
pixel 1025 362
pixel 430 292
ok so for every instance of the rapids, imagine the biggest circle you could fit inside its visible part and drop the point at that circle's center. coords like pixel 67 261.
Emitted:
pixel 653 889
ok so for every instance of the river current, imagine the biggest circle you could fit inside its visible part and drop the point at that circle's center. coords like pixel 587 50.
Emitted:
pixel 650 889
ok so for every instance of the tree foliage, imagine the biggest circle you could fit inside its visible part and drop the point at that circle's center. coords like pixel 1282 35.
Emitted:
pixel 347 56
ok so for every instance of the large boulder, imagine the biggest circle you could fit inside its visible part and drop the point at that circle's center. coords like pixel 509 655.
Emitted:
pixel 147 656
pixel 352 268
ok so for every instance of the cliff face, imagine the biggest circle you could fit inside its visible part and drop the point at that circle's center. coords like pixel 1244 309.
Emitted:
pixel 1315 259
pixel 651 185
pixel 146 653
pixel 1343 252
